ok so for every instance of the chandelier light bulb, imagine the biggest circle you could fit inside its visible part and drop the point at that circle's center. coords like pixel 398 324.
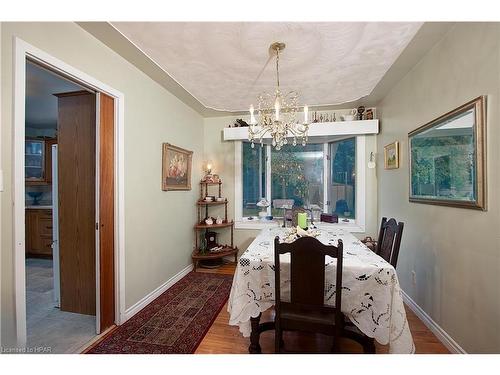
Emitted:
pixel 252 117
pixel 277 109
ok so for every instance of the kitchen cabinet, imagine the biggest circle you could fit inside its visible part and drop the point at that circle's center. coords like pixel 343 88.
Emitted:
pixel 34 160
pixel 39 232
pixel 38 160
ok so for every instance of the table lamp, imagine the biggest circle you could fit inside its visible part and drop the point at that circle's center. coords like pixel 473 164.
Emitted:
pixel 208 176
pixel 263 204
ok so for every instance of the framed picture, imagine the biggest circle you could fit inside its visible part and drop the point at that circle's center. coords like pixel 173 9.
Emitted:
pixel 448 158
pixel 391 156
pixel 176 168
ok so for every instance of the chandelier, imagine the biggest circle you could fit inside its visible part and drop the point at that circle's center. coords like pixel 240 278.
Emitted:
pixel 277 114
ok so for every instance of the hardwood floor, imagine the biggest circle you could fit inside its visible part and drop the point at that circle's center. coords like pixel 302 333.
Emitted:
pixel 225 339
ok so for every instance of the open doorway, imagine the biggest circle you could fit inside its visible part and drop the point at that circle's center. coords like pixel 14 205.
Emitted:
pixel 60 183
pixel 102 180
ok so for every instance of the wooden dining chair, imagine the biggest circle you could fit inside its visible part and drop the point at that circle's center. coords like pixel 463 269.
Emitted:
pixel 306 310
pixel 389 240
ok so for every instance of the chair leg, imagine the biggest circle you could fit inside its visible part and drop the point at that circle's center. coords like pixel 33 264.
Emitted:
pixel 254 347
pixel 369 346
pixel 366 342
pixel 277 343
pixel 278 340
pixel 336 343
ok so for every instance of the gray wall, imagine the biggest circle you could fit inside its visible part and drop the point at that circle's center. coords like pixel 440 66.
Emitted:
pixel 158 224
pixel 454 252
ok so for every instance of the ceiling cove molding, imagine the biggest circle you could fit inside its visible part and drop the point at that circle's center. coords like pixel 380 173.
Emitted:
pixel 425 38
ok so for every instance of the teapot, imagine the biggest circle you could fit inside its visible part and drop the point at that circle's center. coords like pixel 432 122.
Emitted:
pixel 350 116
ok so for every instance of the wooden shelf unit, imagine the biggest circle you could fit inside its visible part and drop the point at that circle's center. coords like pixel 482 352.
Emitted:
pixel 202 225
pixel 228 250
pixel 205 203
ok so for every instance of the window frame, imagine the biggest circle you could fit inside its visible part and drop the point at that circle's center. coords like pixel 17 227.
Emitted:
pixel 356 225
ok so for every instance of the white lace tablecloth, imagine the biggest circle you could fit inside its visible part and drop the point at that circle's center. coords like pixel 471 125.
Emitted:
pixel 371 296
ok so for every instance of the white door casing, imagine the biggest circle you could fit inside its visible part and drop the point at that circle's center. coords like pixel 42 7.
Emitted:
pixel 22 52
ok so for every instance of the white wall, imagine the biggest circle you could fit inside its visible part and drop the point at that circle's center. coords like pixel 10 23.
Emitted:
pixel 158 224
pixel 454 252
pixel 221 153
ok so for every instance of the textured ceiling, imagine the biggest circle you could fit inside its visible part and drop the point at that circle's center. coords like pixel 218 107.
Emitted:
pixel 226 65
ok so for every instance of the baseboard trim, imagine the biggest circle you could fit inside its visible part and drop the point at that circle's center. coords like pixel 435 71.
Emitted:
pixel 134 309
pixel 440 333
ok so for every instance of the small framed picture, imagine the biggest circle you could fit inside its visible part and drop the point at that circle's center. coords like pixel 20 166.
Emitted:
pixel 176 168
pixel 391 156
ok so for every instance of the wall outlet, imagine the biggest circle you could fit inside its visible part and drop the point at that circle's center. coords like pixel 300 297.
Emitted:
pixel 414 277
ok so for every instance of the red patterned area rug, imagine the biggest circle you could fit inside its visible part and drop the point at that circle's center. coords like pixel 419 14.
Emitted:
pixel 175 322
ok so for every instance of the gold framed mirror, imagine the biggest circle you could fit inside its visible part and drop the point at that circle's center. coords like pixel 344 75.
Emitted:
pixel 447 158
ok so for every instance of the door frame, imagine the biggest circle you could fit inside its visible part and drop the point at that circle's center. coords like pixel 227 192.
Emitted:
pixel 22 52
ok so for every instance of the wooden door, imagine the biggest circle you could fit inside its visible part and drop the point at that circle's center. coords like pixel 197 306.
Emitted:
pixel 106 212
pixel 76 185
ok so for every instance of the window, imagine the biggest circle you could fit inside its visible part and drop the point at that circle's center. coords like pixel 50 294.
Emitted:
pixel 342 183
pixel 297 173
pixel 254 178
pixel 320 176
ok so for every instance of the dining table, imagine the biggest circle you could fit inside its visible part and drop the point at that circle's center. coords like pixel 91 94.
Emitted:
pixel 371 295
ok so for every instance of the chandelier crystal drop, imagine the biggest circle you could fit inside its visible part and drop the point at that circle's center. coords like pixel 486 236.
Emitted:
pixel 277 114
